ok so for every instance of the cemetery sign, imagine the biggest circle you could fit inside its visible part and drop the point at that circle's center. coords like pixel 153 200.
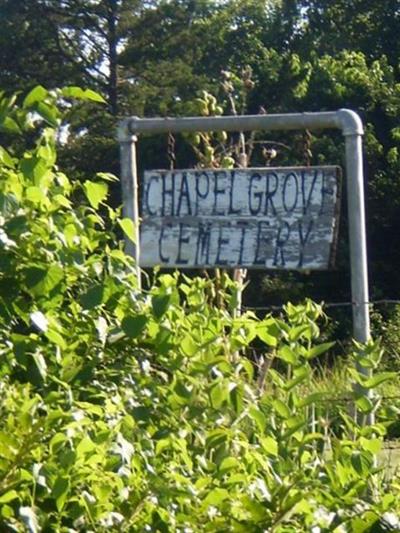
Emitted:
pixel 275 218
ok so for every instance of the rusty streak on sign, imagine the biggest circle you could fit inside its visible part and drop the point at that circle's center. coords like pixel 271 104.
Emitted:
pixel 277 218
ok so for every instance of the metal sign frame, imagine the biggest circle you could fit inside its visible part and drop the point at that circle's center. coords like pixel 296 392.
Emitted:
pixel 344 119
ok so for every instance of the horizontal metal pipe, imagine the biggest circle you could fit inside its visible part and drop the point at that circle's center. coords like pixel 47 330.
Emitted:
pixel 345 119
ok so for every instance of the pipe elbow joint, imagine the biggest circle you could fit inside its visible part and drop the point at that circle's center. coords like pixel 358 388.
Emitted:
pixel 126 130
pixel 350 122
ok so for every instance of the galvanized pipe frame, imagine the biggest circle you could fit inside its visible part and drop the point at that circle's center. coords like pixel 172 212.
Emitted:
pixel 344 119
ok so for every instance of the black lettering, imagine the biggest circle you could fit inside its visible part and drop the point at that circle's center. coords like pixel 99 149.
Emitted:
pixel 221 242
pixel 168 192
pixel 147 209
pixel 184 193
pixel 203 244
pixel 232 211
pixel 290 209
pixel 199 193
pixel 182 240
pixel 270 193
pixel 163 258
pixel 217 191
pixel 260 243
pixel 243 225
pixel 325 191
pixel 303 239
pixel 281 240
pixel 306 198
pixel 257 195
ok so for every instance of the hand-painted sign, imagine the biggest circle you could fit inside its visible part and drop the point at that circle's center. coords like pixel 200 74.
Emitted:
pixel 279 218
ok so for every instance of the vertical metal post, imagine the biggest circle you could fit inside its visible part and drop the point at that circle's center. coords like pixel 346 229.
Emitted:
pixel 358 248
pixel 239 274
pixel 357 237
pixel 129 184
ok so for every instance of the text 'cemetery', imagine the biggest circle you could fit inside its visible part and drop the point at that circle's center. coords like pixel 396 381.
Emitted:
pixel 253 218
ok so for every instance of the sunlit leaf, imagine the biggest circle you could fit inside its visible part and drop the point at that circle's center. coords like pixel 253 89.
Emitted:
pixel 270 445
pixel 41 281
pixel 281 408
pixel 9 496
pixel 96 193
pixel 128 227
pixel 82 94
pixel 215 497
pixel 319 349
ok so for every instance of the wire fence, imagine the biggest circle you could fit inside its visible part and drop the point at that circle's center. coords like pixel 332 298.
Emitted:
pixel 325 304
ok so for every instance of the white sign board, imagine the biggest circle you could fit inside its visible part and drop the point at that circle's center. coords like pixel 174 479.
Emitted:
pixel 275 218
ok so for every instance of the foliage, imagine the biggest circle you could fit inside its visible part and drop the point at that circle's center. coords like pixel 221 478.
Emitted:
pixel 148 58
pixel 137 410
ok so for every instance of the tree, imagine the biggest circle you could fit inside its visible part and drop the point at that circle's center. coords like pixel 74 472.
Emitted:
pixel 363 25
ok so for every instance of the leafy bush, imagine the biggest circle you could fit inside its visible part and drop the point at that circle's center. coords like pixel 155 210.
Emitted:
pixel 139 411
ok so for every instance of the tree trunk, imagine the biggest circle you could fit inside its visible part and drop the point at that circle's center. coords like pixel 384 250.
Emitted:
pixel 112 41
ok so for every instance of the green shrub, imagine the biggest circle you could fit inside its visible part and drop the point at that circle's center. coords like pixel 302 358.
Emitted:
pixel 134 410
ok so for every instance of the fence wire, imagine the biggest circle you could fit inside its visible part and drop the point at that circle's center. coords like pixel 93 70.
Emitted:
pixel 324 304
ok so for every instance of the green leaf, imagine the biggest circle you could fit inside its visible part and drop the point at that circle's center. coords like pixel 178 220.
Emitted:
pixel 96 193
pixel 299 331
pixel 160 304
pixel 40 364
pixel 57 338
pixel 371 445
pixel 288 355
pixel 93 297
pixel 82 94
pixel 281 408
pixel 318 350
pixel 10 125
pixel 9 496
pixel 85 446
pixel 48 113
pixel 266 336
pixel 366 523
pixel 216 438
pixel 60 492
pixel 182 391
pixel 35 195
pixel 134 325
pixel 227 464
pixel 37 94
pixel 128 227
pixel 313 398
pixel 188 345
pixel 215 497
pixel 62 201
pixel 219 394
pixel 256 509
pixel 40 281
pixel 300 375
pixel 259 418
pixel 57 442
pixel 6 159
pixel 378 379
pixel 362 462
pixel 270 445
pixel 364 404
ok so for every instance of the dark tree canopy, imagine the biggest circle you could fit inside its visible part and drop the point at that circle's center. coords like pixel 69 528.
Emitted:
pixel 152 58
